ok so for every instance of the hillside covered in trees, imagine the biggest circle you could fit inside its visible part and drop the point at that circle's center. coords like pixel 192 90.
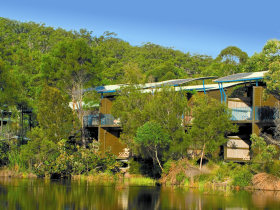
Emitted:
pixel 42 69
pixel 32 55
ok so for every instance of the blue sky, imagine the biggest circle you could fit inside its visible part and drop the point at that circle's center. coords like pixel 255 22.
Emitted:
pixel 198 26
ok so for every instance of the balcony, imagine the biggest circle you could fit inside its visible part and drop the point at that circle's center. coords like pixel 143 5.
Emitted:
pixel 241 114
pixel 105 120
pixel 266 114
pixel 91 120
pixel 108 119
pixel 241 109
pixel 262 114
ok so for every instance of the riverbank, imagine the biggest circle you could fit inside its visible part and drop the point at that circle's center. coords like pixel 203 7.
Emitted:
pixel 6 172
pixel 180 174
pixel 65 194
pixel 218 176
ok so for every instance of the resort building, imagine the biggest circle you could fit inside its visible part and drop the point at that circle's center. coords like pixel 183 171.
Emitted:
pixel 243 93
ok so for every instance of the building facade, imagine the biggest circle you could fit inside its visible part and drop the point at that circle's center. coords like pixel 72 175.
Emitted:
pixel 243 93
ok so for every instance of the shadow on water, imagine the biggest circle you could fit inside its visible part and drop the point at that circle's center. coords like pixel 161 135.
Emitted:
pixel 65 194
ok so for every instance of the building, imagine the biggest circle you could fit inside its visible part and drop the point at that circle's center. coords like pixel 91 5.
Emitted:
pixel 243 94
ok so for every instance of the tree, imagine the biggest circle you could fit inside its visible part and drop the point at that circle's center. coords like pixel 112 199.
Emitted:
pixel 40 153
pixel 69 66
pixel 8 86
pixel 272 79
pixel 268 60
pixel 263 154
pixel 164 106
pixel 133 74
pixel 154 139
pixel 210 125
pixel 233 55
pixel 129 108
pixel 230 61
pixel 54 114
pixel 261 61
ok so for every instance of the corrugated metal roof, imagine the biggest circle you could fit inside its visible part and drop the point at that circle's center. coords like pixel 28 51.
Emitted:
pixel 198 88
pixel 242 77
pixel 174 82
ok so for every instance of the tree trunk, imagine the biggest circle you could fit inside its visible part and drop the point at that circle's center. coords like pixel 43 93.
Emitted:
pixel 202 154
pixel 2 123
pixel 158 160
pixel 77 99
pixel 81 113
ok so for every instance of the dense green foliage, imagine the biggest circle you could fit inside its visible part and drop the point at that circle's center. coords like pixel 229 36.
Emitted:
pixel 166 107
pixel 211 124
pixel 54 115
pixel 263 154
pixel 232 173
pixel 268 60
pixel 153 139
pixel 42 69
pixel 153 125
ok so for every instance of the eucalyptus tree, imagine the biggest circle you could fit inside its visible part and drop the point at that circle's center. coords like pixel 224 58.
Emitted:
pixel 230 61
pixel 210 125
pixel 54 114
pixel 164 106
pixel 153 139
pixel 70 67
pixel 233 55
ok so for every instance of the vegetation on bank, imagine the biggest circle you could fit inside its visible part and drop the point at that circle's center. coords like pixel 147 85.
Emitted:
pixel 43 69
pixel 227 175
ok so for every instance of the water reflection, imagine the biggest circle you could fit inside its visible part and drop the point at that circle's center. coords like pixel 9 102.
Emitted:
pixel 45 194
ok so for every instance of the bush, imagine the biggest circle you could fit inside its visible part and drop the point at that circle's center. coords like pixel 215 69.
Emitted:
pixel 203 177
pixel 134 167
pixel 263 154
pixel 4 149
pixel 15 160
pixel 44 157
pixel 180 177
pixel 274 168
pixel 226 170
pixel 167 166
pixel 242 177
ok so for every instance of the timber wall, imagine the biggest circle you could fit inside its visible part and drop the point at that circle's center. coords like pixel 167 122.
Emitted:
pixel 259 100
pixel 108 135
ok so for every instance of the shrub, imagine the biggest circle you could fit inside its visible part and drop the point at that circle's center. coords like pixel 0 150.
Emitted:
pixel 242 177
pixel 15 160
pixel 134 167
pixel 167 166
pixel 274 168
pixel 204 177
pixel 4 149
pixel 263 154
pixel 226 170
pixel 180 177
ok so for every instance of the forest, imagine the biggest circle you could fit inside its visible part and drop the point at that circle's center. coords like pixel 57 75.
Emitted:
pixel 43 69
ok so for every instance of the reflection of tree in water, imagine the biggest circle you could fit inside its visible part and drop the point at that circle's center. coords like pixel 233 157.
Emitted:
pixel 144 198
pixel 46 194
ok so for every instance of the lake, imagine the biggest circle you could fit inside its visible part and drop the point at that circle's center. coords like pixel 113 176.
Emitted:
pixel 64 194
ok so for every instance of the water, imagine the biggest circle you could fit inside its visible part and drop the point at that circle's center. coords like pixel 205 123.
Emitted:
pixel 46 194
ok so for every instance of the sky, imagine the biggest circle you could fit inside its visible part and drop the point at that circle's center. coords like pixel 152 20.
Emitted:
pixel 197 26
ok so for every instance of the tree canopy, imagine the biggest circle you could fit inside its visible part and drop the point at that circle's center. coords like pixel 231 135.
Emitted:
pixel 210 125
pixel 44 68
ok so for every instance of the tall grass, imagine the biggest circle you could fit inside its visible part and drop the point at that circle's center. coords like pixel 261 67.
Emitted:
pixel 141 181
pixel 15 161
